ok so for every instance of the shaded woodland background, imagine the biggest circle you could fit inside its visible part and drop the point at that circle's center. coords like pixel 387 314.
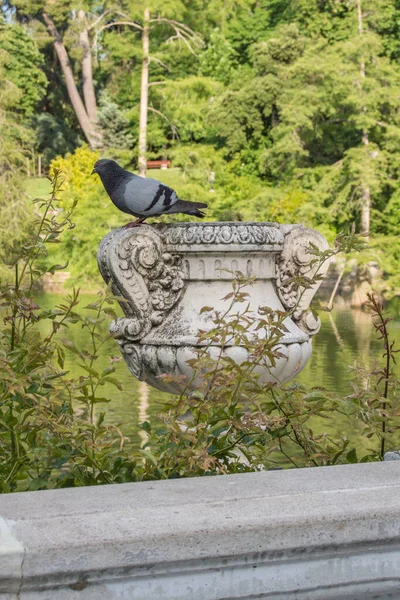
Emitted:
pixel 281 110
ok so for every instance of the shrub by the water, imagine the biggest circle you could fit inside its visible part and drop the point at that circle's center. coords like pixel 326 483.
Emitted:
pixel 51 436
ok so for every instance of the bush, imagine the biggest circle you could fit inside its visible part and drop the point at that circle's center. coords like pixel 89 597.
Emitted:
pixel 51 436
pixel 234 423
pixel 94 215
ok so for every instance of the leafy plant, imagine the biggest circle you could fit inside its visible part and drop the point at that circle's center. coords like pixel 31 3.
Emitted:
pixel 375 399
pixel 50 435
pixel 234 423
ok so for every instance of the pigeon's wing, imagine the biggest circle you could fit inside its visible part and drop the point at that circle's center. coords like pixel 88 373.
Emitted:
pixel 148 197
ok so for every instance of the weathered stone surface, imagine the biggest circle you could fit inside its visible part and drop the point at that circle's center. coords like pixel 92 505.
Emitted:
pixel 168 273
pixel 309 534
pixel 11 558
pixel 394 455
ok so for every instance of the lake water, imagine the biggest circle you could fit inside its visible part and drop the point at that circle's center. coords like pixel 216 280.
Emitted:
pixel 346 336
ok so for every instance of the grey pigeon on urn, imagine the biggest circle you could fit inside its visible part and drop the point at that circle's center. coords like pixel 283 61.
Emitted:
pixel 142 197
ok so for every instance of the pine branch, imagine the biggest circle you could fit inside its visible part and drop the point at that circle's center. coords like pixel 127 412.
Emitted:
pixel 160 62
pixel 182 32
pixel 116 23
pixel 160 114
pixel 99 18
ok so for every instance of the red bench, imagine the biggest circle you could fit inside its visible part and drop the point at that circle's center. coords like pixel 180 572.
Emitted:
pixel 158 164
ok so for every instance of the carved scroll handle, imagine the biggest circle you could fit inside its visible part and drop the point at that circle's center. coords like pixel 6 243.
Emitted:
pixel 295 261
pixel 150 279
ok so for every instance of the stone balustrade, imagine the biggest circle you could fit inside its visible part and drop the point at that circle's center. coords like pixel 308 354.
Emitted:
pixel 307 534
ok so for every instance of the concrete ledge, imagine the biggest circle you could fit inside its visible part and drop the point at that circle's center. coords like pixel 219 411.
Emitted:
pixel 307 534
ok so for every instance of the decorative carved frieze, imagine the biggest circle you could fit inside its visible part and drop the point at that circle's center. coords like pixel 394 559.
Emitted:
pixel 227 234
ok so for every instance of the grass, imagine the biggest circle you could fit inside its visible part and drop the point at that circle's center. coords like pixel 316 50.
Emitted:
pixel 37 186
pixel 172 177
pixel 40 186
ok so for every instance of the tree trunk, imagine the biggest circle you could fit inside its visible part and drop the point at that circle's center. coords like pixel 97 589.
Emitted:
pixel 366 192
pixel 89 95
pixel 89 131
pixel 365 221
pixel 144 95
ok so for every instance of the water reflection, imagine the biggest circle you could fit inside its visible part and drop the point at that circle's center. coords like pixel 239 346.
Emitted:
pixel 345 336
pixel 144 394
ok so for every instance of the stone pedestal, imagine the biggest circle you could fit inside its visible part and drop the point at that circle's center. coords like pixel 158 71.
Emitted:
pixel 169 273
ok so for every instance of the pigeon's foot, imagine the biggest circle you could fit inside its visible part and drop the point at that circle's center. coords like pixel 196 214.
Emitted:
pixel 133 224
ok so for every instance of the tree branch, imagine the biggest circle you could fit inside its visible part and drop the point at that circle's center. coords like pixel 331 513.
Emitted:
pixel 114 12
pixel 182 32
pixel 179 36
pixel 116 23
pixel 174 23
pixel 160 62
pixel 160 114
pixel 87 69
pixel 87 126
pixel 96 21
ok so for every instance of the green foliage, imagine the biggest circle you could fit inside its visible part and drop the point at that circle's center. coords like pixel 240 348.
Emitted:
pixel 23 67
pixel 76 168
pixel 53 137
pixel 94 214
pixel 271 119
pixel 218 60
pixel 51 434
pixel 16 212
pixel 294 111
pixel 186 103
pixel 275 92
pixel 233 423
pixel 114 125
pixel 43 442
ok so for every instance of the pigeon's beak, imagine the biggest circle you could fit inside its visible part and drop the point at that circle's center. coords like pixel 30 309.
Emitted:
pixel 93 172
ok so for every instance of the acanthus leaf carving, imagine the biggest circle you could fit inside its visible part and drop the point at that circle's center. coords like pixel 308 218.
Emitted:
pixel 150 279
pixel 296 265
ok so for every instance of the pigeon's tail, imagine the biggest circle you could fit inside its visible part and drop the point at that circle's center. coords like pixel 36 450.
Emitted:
pixel 188 208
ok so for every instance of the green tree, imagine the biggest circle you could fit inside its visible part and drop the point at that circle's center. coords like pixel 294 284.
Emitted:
pixel 15 142
pixel 145 18
pixel 219 59
pixel 114 124
pixel 337 127
pixel 66 24
pixel 23 67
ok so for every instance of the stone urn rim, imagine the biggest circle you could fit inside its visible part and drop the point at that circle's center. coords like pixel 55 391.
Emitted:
pixel 222 236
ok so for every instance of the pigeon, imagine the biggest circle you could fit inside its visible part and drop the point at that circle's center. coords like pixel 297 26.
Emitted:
pixel 140 196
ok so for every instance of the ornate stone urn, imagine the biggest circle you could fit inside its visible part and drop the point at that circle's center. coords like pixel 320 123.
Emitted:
pixel 168 273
